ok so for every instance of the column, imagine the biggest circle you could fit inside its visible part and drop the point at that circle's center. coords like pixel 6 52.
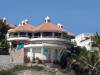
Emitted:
pixel 32 35
pixel 41 35
pixel 61 35
pixel 31 55
pixel 52 54
pixel 12 35
pixel 53 34
pixel 42 49
pixel 26 34
pixel 18 34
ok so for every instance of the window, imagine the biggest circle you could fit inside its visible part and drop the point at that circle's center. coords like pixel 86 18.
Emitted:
pixel 22 34
pixel 15 34
pixel 36 35
pixel 29 35
pixel 57 34
pixel 46 34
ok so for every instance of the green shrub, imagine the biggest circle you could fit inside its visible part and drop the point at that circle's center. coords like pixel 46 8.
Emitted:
pixel 19 68
pixel 37 67
pixel 68 71
pixel 26 59
pixel 5 72
pixel 14 69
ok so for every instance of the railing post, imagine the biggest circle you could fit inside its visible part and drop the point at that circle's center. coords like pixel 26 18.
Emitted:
pixel 18 34
pixel 53 34
pixel 61 35
pixel 41 35
pixel 32 35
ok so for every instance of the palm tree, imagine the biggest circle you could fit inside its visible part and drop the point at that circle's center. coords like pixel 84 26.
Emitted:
pixel 3 29
pixel 90 62
pixel 4 45
pixel 96 40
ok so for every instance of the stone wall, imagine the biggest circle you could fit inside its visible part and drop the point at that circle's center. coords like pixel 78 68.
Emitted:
pixel 4 59
pixel 17 56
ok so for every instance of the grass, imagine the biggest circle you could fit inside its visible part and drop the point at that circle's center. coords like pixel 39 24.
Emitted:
pixel 67 71
pixel 19 68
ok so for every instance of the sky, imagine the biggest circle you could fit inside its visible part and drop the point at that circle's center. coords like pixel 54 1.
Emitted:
pixel 76 16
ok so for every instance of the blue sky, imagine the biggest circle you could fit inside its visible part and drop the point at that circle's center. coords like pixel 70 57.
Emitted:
pixel 76 16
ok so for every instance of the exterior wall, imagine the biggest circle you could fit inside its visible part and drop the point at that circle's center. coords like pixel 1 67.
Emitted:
pixel 17 56
pixel 81 40
pixel 52 54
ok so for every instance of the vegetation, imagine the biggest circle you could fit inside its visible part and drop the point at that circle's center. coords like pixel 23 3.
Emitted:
pixel 26 59
pixel 14 69
pixel 4 45
pixel 3 29
pixel 90 62
pixel 96 40
pixel 81 61
pixel 19 68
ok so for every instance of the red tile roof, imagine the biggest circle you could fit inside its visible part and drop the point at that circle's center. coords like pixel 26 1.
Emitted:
pixel 26 27
pixel 11 26
pixel 51 27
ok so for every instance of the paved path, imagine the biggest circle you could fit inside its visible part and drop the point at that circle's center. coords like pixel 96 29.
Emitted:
pixel 36 72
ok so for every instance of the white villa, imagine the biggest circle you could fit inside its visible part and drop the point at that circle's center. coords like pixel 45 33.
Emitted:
pixel 84 40
pixel 45 41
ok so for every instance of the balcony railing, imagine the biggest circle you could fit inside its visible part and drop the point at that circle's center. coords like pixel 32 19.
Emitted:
pixel 35 38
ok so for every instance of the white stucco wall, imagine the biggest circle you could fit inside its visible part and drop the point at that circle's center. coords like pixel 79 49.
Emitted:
pixel 80 40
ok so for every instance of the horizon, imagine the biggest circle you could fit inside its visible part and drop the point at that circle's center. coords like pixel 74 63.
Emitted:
pixel 76 16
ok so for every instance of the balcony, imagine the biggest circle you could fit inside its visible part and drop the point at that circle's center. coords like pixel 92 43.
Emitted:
pixel 44 45
pixel 43 36
pixel 49 39
pixel 13 38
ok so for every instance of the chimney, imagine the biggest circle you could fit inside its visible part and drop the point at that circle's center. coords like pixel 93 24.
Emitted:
pixel 22 23
pixel 47 19
pixel 59 25
pixel 26 21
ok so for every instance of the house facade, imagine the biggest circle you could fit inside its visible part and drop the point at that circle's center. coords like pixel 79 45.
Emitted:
pixel 84 40
pixel 46 41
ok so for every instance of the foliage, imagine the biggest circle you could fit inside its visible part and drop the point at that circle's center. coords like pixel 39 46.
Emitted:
pixel 37 67
pixel 82 61
pixel 19 68
pixel 3 29
pixel 68 71
pixel 69 56
pixel 63 60
pixel 96 40
pixel 37 60
pixel 26 59
pixel 5 72
pixel 90 62
pixel 4 46
pixel 14 69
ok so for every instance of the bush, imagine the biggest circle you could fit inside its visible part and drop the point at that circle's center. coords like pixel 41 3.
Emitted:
pixel 68 71
pixel 4 47
pixel 37 67
pixel 19 68
pixel 26 59
pixel 14 69
pixel 37 60
pixel 4 72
